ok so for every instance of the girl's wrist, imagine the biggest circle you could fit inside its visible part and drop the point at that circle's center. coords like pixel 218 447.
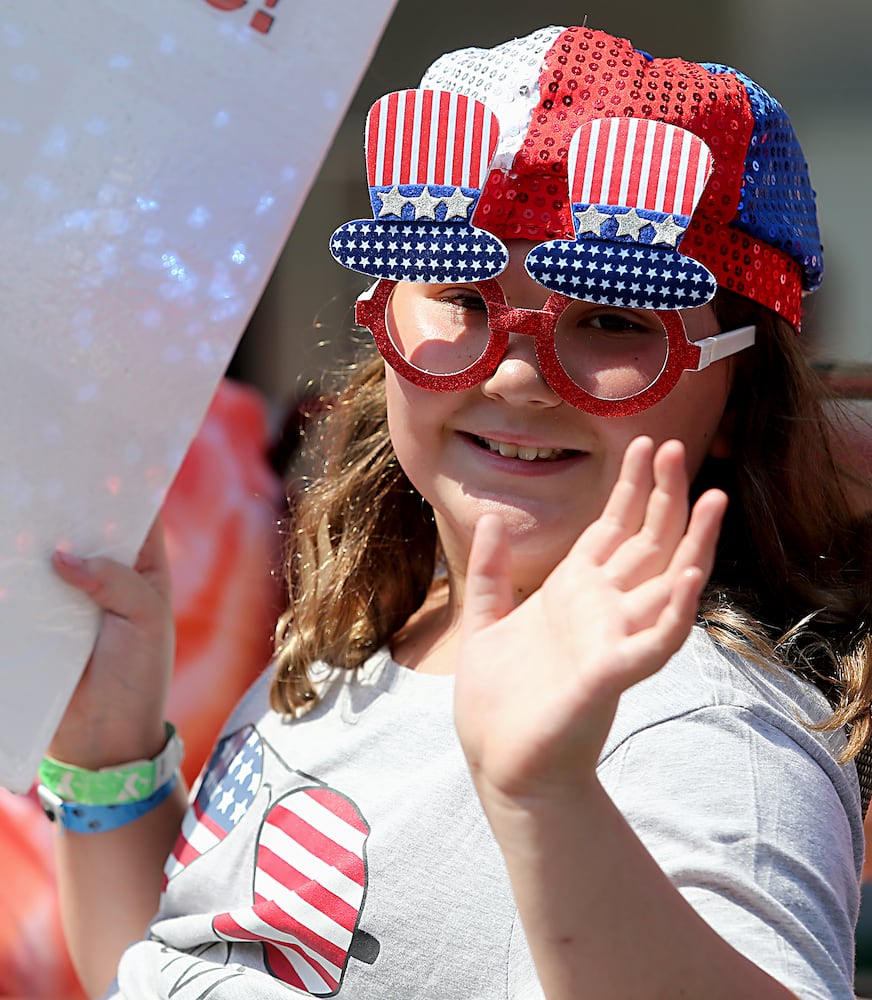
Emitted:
pixel 101 747
pixel 129 781
pixel 526 810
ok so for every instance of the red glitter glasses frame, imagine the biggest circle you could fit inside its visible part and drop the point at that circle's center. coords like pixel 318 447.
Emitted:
pixel 682 354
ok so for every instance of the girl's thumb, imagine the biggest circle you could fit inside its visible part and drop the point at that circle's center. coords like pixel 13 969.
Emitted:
pixel 487 595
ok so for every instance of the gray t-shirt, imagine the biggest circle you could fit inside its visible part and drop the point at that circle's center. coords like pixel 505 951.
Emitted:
pixel 346 853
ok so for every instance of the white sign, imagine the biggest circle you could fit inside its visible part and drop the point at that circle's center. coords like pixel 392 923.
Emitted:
pixel 153 157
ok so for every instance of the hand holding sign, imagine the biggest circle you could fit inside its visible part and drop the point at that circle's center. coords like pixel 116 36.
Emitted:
pixel 155 158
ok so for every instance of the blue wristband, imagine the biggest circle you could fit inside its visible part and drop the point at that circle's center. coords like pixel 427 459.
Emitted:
pixel 96 819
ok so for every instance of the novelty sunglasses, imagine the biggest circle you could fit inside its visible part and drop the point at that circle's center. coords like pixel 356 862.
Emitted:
pixel 606 360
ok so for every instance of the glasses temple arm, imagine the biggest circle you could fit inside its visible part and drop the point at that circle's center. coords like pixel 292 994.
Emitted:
pixel 722 345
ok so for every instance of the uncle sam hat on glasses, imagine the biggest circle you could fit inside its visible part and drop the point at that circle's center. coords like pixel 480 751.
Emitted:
pixel 752 227
pixel 427 155
pixel 634 184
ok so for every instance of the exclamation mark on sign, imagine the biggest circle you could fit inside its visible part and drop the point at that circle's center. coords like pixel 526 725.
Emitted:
pixel 262 21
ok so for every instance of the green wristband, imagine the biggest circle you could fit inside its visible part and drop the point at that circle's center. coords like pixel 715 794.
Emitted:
pixel 132 782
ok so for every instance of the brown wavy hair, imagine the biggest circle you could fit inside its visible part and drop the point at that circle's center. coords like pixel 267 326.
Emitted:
pixel 792 581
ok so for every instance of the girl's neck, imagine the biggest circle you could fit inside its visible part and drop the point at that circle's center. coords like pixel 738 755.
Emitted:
pixel 427 643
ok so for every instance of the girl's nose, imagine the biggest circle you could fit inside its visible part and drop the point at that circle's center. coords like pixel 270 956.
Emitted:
pixel 517 379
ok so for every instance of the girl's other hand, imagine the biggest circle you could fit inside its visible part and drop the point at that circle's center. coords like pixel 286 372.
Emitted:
pixel 538 684
pixel 116 713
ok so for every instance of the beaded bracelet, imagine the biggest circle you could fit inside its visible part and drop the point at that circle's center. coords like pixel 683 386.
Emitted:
pixel 133 782
pixel 98 819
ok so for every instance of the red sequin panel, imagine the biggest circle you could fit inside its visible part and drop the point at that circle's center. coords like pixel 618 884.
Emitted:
pixel 588 74
pixel 748 267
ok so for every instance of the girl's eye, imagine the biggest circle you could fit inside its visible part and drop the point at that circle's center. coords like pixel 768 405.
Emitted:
pixel 614 323
pixel 470 300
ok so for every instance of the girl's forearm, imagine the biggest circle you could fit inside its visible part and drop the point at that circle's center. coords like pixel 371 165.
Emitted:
pixel 110 885
pixel 601 917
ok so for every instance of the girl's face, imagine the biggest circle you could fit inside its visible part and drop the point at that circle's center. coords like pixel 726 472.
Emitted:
pixel 511 445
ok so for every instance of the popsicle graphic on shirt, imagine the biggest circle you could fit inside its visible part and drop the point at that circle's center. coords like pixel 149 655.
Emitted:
pixel 230 784
pixel 309 888
pixel 310 869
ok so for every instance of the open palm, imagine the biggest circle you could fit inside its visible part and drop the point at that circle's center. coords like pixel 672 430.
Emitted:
pixel 538 684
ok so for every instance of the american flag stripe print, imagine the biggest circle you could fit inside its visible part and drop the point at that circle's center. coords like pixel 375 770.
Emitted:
pixel 285 876
pixel 429 137
pixel 199 834
pixel 229 786
pixel 637 163
pixel 297 954
pixel 309 887
pixel 438 168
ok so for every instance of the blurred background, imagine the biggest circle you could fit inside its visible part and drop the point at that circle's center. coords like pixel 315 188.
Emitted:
pixel 813 57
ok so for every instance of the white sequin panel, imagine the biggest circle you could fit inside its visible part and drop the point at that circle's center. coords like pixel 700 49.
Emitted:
pixel 505 78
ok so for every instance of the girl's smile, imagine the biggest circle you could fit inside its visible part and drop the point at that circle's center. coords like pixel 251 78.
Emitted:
pixel 524 452
pixel 519 455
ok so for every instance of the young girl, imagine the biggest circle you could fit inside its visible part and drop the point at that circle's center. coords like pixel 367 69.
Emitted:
pixel 513 744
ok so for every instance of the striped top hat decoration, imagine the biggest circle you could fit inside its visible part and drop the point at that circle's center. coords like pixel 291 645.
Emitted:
pixel 634 184
pixel 428 153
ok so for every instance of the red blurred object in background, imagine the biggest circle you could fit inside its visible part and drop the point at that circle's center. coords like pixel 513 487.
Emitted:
pixel 223 546
pixel 220 519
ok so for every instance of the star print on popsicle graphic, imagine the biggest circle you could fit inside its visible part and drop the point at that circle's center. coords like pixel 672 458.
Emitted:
pixel 232 781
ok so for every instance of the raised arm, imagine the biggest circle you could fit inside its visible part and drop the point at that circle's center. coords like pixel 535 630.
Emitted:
pixel 110 881
pixel 537 691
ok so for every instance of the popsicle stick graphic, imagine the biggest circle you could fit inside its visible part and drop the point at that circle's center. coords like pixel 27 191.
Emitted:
pixel 309 890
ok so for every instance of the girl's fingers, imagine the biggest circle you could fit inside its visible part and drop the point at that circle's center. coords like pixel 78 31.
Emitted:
pixel 487 593
pixel 666 512
pixel 650 549
pixel 699 542
pixel 152 556
pixel 655 517
pixel 83 574
pixel 116 588
pixel 153 563
pixel 649 646
pixel 694 555
pixel 624 512
pixel 106 582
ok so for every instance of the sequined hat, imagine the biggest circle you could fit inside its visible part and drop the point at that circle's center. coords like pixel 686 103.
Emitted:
pixel 752 227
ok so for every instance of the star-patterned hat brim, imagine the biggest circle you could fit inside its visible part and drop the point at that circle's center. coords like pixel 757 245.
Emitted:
pixel 423 251
pixel 630 275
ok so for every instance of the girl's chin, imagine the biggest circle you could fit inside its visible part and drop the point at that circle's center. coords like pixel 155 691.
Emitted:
pixel 535 522
pixel 536 544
